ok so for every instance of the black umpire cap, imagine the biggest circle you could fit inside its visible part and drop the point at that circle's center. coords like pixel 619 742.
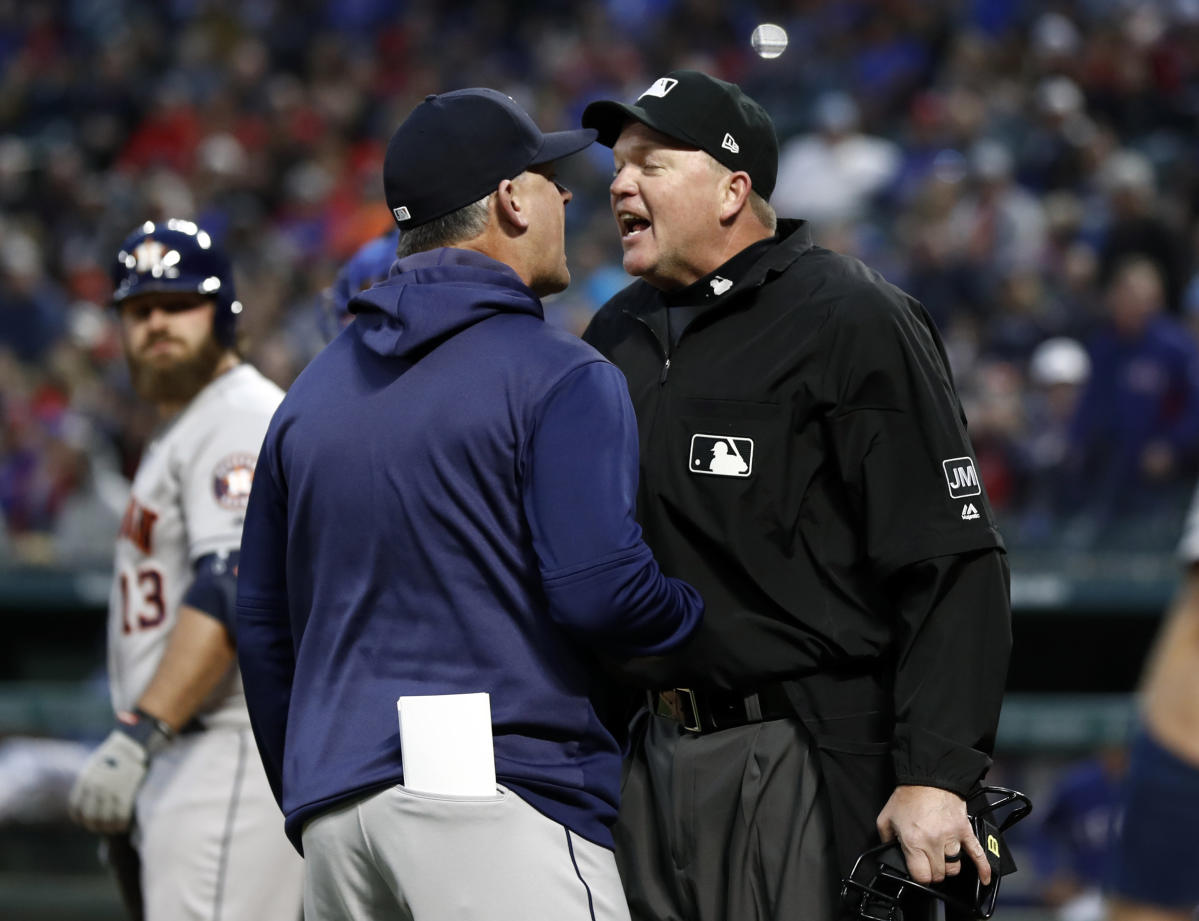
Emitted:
pixel 700 110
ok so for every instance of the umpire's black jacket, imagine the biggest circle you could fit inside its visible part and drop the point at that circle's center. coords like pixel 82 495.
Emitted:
pixel 805 465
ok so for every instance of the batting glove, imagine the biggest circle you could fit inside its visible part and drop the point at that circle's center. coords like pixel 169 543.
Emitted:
pixel 104 793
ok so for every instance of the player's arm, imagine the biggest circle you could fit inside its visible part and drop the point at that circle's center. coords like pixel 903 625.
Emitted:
pixel 580 485
pixel 1170 687
pixel 199 654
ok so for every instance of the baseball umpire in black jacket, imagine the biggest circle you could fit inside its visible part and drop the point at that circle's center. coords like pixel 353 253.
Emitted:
pixel 805 464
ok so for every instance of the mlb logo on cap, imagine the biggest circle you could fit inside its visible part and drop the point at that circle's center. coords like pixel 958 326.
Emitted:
pixel 661 87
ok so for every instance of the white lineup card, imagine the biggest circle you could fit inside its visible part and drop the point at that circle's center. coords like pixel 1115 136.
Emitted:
pixel 446 744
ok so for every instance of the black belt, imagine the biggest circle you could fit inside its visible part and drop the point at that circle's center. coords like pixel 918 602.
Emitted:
pixel 710 710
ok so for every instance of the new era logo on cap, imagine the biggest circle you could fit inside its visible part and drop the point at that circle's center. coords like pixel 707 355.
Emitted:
pixel 661 87
pixel 401 213
pixel 730 144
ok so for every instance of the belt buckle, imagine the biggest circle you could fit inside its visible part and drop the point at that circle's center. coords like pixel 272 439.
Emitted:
pixel 688 702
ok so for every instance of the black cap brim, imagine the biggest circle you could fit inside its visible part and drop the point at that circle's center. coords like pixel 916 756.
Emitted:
pixel 559 144
pixel 608 117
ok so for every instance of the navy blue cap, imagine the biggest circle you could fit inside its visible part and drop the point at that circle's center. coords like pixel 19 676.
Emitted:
pixel 704 112
pixel 455 148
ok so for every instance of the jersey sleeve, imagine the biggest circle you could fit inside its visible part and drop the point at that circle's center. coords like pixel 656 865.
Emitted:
pixel 954 646
pixel 580 486
pixel 899 439
pixel 217 468
pixel 897 434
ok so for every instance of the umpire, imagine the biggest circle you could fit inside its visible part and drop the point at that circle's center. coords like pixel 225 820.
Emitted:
pixel 847 679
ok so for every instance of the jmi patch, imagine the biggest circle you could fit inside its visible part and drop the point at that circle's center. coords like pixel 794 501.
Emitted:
pixel 231 480
pixel 961 477
pixel 721 455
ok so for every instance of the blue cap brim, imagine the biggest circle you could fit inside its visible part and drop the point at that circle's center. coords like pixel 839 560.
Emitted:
pixel 559 144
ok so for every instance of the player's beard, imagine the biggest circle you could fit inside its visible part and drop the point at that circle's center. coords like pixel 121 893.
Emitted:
pixel 178 381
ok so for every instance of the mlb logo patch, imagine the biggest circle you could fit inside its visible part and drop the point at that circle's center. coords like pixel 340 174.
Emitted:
pixel 721 455
pixel 231 480
pixel 961 477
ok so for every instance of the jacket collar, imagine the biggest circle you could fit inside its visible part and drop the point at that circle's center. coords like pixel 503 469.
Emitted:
pixel 794 238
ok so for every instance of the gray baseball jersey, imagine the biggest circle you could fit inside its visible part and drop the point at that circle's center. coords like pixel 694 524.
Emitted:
pixel 187 501
pixel 207 828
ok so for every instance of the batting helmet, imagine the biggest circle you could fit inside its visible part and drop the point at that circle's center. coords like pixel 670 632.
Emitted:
pixel 177 255
pixel 876 887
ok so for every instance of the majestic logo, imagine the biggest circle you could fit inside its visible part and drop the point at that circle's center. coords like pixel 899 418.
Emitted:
pixel 730 144
pixel 401 213
pixel 721 455
pixel 231 480
pixel 969 512
pixel 720 285
pixel 961 477
pixel 661 87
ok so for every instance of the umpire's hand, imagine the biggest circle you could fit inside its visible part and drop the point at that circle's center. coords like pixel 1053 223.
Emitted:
pixel 934 832
pixel 103 795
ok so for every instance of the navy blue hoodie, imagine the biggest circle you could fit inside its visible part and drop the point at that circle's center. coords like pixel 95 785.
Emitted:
pixel 444 504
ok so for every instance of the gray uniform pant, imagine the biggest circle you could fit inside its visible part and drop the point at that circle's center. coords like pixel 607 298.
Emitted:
pixel 725 826
pixel 411 856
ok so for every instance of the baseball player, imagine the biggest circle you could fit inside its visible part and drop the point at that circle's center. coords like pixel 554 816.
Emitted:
pixel 1156 857
pixel 180 773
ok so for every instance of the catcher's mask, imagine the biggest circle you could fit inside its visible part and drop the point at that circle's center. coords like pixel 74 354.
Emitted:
pixel 879 878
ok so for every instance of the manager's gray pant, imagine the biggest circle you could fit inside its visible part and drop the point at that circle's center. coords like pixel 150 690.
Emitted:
pixel 725 826
pixel 411 856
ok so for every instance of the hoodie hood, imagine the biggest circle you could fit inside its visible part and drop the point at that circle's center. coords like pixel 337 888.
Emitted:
pixel 434 295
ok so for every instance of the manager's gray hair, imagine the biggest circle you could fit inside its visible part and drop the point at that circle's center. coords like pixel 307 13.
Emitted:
pixel 464 224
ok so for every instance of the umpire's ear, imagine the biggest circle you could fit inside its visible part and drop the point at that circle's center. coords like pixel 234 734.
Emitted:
pixel 735 189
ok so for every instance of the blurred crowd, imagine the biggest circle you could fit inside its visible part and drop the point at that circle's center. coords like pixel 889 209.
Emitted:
pixel 1029 170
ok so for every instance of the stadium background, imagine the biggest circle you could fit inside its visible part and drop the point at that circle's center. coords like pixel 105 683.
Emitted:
pixel 998 159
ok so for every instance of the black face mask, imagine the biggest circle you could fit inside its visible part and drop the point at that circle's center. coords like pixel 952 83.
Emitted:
pixel 879 883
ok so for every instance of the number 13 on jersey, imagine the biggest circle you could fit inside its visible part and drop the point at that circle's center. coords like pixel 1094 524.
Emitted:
pixel 143 598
